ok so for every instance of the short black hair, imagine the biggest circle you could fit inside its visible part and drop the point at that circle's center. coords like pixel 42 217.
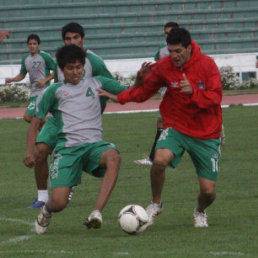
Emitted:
pixel 73 27
pixel 179 35
pixel 70 54
pixel 174 25
pixel 33 36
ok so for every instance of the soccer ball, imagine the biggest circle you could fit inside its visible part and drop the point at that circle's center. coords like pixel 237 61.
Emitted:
pixel 133 219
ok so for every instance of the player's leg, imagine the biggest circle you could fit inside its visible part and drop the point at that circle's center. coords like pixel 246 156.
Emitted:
pixel 158 133
pixel 168 152
pixel 110 160
pixel 207 193
pixel 31 109
pixel 41 172
pixel 157 174
pixel 46 141
pixel 148 161
pixel 57 202
pixel 65 172
pixel 205 156
pixel 102 161
pixel 205 198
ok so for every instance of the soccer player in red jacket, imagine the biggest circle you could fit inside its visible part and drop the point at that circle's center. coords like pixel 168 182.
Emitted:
pixel 191 114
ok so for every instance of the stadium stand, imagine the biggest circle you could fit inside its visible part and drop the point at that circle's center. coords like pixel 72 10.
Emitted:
pixel 130 29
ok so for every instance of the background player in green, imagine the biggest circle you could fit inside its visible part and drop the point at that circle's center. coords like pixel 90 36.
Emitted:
pixel 38 64
pixel 75 104
pixel 163 52
pixel 72 34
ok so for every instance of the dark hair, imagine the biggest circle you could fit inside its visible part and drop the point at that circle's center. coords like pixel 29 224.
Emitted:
pixel 171 24
pixel 33 36
pixel 179 35
pixel 70 54
pixel 73 27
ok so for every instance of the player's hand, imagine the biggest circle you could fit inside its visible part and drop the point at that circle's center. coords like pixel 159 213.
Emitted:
pixel 103 93
pixel 40 83
pixel 29 160
pixel 4 34
pixel 186 86
pixel 145 69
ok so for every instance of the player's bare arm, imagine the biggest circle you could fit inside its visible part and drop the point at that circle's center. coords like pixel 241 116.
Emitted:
pixel 47 79
pixel 103 93
pixel 17 78
pixel 35 125
pixel 144 70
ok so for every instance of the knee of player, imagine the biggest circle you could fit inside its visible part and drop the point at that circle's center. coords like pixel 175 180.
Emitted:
pixel 113 157
pixel 209 193
pixel 160 162
pixel 27 118
pixel 59 205
pixel 41 152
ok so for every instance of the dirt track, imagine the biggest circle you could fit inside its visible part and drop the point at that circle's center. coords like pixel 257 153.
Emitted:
pixel 148 105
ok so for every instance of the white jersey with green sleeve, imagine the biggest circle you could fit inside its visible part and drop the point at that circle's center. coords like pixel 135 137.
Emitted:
pixel 94 66
pixel 163 52
pixel 77 109
pixel 38 66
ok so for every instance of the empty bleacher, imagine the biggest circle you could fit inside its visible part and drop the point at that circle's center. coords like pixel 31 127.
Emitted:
pixel 129 29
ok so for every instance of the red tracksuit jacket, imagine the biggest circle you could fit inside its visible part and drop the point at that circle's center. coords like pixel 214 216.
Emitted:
pixel 198 115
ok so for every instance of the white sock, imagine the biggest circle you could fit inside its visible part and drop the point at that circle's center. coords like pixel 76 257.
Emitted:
pixel 43 195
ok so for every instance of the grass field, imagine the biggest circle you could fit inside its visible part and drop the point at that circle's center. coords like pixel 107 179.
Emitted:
pixel 233 223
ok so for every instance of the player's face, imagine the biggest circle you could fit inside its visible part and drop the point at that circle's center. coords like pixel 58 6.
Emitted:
pixel 73 72
pixel 33 46
pixel 179 54
pixel 72 38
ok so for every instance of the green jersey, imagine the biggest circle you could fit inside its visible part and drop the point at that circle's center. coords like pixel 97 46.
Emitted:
pixel 76 109
pixel 163 52
pixel 38 66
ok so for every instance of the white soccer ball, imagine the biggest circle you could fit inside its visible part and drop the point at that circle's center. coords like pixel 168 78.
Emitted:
pixel 133 219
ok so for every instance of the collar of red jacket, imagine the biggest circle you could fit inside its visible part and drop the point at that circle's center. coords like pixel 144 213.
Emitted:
pixel 196 54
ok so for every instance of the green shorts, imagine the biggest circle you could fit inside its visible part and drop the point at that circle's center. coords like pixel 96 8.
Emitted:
pixel 68 163
pixel 205 154
pixel 31 109
pixel 48 133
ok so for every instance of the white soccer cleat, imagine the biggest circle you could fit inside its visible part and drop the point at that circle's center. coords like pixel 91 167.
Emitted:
pixel 42 221
pixel 94 220
pixel 143 162
pixel 153 210
pixel 200 219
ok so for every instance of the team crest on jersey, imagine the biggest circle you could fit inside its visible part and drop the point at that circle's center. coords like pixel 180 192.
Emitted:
pixel 174 84
pixel 201 85
pixel 66 94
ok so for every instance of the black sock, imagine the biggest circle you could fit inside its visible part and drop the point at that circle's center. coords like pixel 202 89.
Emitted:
pixel 158 133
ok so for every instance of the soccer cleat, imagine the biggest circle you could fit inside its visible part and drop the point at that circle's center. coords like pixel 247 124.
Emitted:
pixel 37 204
pixel 143 162
pixel 153 210
pixel 200 219
pixel 42 221
pixel 71 194
pixel 94 220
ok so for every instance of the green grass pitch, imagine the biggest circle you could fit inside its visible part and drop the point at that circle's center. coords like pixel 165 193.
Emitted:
pixel 233 224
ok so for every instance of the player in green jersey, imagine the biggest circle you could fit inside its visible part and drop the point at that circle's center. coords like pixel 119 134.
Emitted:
pixel 75 105
pixel 38 64
pixel 72 34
